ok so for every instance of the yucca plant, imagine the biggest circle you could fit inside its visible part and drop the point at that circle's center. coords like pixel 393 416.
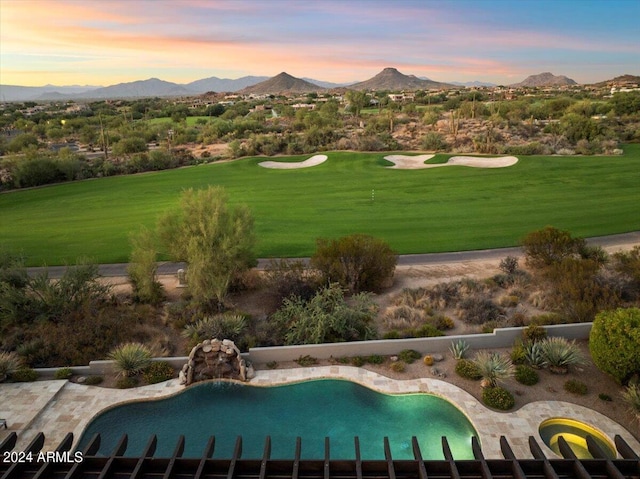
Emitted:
pixel 219 326
pixel 533 355
pixel 458 348
pixel 9 362
pixel 559 354
pixel 631 396
pixel 493 367
pixel 130 358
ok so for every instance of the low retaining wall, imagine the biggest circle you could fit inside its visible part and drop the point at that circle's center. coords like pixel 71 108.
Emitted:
pixel 499 338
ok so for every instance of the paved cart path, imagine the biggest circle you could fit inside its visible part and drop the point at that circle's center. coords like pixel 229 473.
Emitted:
pixel 168 268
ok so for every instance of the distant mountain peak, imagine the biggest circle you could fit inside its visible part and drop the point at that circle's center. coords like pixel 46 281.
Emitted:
pixel 282 83
pixel 391 79
pixel 546 79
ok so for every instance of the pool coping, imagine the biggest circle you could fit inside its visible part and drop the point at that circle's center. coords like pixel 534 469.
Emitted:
pixel 72 406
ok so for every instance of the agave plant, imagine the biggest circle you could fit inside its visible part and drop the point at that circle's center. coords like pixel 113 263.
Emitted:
pixel 130 358
pixel 631 396
pixel 493 367
pixel 559 354
pixel 458 348
pixel 9 362
pixel 533 355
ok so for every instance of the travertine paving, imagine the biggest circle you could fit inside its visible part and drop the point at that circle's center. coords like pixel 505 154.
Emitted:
pixel 59 407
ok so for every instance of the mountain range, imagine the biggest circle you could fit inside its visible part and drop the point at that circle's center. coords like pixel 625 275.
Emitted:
pixel 387 79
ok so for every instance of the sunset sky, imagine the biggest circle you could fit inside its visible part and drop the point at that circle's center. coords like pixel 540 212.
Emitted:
pixel 100 42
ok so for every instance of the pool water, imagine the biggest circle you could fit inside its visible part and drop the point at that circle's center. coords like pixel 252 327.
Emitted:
pixel 575 433
pixel 312 410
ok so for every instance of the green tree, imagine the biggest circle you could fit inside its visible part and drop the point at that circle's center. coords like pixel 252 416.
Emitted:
pixel 357 262
pixel 614 343
pixel 326 318
pixel 357 101
pixel 214 239
pixel 550 245
pixel 143 268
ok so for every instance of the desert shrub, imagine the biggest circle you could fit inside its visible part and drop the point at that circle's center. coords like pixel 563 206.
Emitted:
pixel 126 382
pixel 578 290
pixel 479 310
pixel 509 265
pixel 427 331
pixel 627 263
pixel 534 333
pixel 493 367
pixel 459 348
pixel 9 363
pixel 559 354
pixel 546 319
pixel 357 262
pixel 508 301
pixel 272 364
pixel 468 370
pixel 574 386
pixel 93 380
pixel 613 343
pixel 398 366
pixel 550 245
pixel 306 360
pixel 286 278
pixel 326 318
pixel 415 298
pixel 444 294
pixel 428 360
pixel 403 316
pixel 631 396
pixel 605 397
pixel 157 372
pixel 409 356
pixel 375 359
pixel 393 334
pixel 130 358
pixel 358 361
pixel 502 280
pixel 518 353
pixel 526 375
pixel 490 326
pixel 23 375
pixel 63 373
pixel 498 398
pixel 433 141
pixel 518 319
pixel 442 322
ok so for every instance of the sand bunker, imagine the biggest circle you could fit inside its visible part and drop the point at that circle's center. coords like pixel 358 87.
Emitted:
pixel 281 165
pixel 414 162
pixel 405 162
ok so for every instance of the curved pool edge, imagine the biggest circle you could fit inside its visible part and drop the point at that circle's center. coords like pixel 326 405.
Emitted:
pixel 76 405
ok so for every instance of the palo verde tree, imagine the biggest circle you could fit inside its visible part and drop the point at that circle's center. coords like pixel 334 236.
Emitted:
pixel 143 268
pixel 213 238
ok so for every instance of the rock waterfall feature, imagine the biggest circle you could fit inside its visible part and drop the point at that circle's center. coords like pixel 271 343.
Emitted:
pixel 214 359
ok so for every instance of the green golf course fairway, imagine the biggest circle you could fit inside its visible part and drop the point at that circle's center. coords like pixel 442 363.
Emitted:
pixel 417 211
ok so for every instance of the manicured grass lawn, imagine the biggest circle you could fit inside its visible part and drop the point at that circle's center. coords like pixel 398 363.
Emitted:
pixel 440 209
pixel 191 120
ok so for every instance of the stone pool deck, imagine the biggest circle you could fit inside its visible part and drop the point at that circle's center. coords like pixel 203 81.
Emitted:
pixel 59 407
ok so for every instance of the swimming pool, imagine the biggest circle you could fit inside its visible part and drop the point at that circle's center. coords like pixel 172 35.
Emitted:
pixel 313 410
